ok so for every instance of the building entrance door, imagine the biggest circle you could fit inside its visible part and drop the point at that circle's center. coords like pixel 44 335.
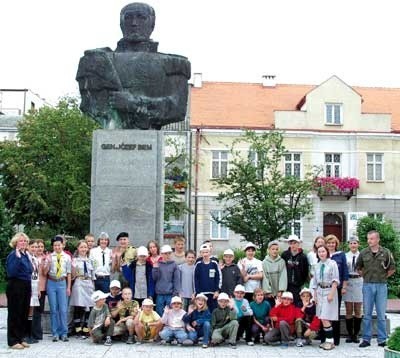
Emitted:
pixel 334 224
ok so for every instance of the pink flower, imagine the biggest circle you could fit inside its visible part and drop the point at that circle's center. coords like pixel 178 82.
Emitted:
pixel 341 184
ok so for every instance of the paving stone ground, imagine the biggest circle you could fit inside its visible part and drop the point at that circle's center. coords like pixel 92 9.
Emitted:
pixel 82 349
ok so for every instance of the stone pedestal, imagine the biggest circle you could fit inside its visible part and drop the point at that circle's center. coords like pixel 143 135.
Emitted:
pixel 128 184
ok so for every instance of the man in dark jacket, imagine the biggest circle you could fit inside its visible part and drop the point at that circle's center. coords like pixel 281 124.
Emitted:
pixel 297 268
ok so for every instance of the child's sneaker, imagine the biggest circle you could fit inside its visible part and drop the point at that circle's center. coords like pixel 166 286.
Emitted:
pixel 108 341
pixel 187 342
pixel 251 343
pixel 174 342
pixel 204 345
pixel 299 342
pixel 233 345
pixel 130 340
pixel 284 345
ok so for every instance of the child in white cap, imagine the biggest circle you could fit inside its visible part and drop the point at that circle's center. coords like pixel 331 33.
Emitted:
pixel 100 322
pixel 167 279
pixel 231 276
pixel 251 270
pixel 147 322
pixel 224 324
pixel 174 327
pixel 283 317
pixel 244 314
pixel 307 327
pixel 198 322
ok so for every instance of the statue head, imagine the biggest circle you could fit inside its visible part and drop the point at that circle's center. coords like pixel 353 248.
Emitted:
pixel 137 21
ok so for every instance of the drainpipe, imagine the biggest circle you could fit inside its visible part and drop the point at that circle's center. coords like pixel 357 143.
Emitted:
pixel 196 185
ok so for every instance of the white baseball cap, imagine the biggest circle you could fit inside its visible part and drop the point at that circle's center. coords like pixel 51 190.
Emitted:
pixel 287 294
pixel 306 290
pixel 98 295
pixel 165 249
pixel 176 299
pixel 223 296
pixel 229 252
pixel 239 288
pixel 115 283
pixel 293 237
pixel 250 245
pixel 204 247
pixel 147 302
pixel 142 251
pixel 201 295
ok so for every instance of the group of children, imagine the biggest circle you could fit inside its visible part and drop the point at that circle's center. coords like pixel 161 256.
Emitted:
pixel 229 321
pixel 170 296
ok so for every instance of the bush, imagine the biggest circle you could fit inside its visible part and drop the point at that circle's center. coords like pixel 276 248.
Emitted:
pixel 394 340
pixel 6 232
pixel 240 254
pixel 389 238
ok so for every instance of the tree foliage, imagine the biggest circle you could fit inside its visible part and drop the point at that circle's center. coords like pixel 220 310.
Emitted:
pixel 389 238
pixel 45 175
pixel 6 232
pixel 259 201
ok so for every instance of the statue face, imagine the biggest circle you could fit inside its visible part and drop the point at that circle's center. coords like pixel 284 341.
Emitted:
pixel 137 23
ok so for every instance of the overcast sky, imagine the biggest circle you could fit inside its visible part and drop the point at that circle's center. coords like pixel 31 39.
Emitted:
pixel 299 41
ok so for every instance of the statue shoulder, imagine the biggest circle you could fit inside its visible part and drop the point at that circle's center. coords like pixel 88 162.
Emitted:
pixel 176 65
pixel 95 51
pixel 98 64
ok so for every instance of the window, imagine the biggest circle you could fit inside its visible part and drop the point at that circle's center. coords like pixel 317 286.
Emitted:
pixel 294 227
pixel 219 164
pixel 217 231
pixel 332 165
pixel 333 113
pixel 254 158
pixel 292 164
pixel 374 167
pixel 376 216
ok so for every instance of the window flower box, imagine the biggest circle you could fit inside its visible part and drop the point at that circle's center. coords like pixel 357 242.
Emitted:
pixel 336 187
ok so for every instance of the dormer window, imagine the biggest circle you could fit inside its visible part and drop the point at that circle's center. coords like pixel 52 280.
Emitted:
pixel 333 114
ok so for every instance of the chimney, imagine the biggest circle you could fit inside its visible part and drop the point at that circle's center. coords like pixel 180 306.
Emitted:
pixel 197 80
pixel 269 80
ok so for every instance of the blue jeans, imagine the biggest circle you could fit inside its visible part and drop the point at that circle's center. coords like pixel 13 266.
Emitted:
pixel 102 284
pixel 161 302
pixel 374 294
pixel 169 334
pixel 202 330
pixel 57 295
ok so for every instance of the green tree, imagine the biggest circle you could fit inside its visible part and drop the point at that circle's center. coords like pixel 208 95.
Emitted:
pixel 389 238
pixel 45 175
pixel 6 232
pixel 259 201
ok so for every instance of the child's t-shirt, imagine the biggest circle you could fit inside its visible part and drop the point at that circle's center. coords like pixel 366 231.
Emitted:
pixel 187 284
pixel 260 311
pixel 173 318
pixel 148 318
pixel 128 309
pixel 98 316
pixel 251 267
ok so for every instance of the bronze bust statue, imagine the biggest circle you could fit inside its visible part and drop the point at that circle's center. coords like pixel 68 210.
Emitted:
pixel 134 87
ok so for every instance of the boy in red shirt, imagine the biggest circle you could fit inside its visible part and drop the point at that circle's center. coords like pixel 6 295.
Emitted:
pixel 283 317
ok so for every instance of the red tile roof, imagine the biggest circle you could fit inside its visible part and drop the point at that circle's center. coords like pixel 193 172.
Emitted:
pixel 250 105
